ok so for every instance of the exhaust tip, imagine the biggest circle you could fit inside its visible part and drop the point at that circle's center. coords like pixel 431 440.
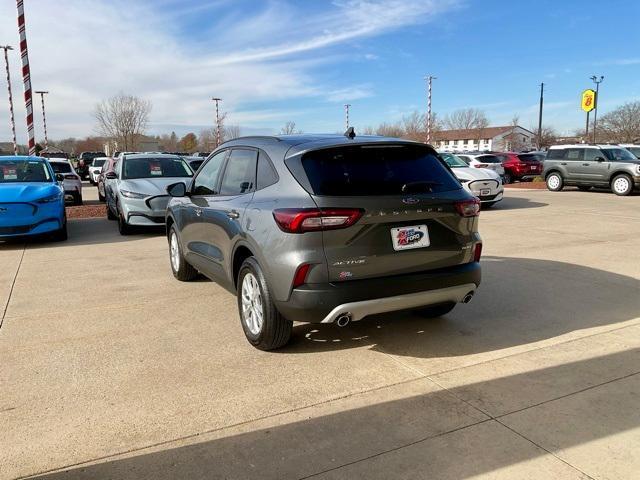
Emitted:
pixel 343 319
pixel 467 298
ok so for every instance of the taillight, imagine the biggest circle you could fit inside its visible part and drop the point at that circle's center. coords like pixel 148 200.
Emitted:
pixel 301 275
pixel 477 253
pixel 300 220
pixel 481 165
pixel 71 176
pixel 468 208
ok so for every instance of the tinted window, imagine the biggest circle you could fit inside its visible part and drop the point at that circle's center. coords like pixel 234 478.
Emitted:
pixel 488 159
pixel 453 161
pixel 239 176
pixel 266 174
pixel 60 167
pixel 207 179
pixel 98 163
pixel 195 164
pixel 24 171
pixel 376 170
pixel 573 154
pixel 531 157
pixel 555 153
pixel 590 154
pixel 154 167
pixel 619 154
pixel 635 151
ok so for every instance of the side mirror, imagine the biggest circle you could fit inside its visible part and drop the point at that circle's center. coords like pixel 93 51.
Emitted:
pixel 600 159
pixel 111 176
pixel 59 177
pixel 177 189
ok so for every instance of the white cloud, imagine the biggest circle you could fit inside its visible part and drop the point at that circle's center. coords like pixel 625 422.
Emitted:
pixel 96 48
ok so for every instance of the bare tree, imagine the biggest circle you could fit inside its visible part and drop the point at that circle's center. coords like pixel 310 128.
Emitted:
pixel 123 118
pixel 621 125
pixel 390 130
pixel 466 119
pixel 232 131
pixel 513 141
pixel 289 128
pixel 548 137
pixel 369 130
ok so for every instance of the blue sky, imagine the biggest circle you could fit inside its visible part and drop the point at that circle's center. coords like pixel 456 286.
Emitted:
pixel 274 61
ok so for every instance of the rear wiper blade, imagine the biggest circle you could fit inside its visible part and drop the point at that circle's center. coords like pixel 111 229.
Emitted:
pixel 428 184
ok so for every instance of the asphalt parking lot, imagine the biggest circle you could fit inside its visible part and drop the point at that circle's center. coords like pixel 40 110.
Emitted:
pixel 110 368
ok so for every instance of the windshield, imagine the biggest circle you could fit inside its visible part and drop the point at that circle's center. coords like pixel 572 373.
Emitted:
pixel 619 154
pixel 488 159
pixel 634 150
pixel 61 167
pixel 376 170
pixel 155 167
pixel 14 171
pixel 453 161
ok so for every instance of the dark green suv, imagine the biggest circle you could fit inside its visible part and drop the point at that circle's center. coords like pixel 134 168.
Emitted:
pixel 587 166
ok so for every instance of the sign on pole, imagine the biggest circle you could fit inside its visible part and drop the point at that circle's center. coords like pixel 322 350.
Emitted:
pixel 588 101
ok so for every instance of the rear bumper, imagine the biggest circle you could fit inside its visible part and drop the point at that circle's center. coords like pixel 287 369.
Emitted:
pixel 322 303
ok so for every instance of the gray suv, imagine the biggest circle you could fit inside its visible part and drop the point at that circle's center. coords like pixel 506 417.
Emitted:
pixel 326 229
pixel 587 166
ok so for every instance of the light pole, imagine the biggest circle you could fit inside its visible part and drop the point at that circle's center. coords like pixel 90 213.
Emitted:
pixel 217 100
pixel 540 116
pixel 346 115
pixel 11 116
pixel 597 81
pixel 429 80
pixel 44 118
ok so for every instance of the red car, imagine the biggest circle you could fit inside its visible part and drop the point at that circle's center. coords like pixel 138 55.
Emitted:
pixel 521 166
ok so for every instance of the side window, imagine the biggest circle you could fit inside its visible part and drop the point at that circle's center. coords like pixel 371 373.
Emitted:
pixel 207 179
pixel 266 174
pixel 574 154
pixel 555 153
pixel 590 154
pixel 240 173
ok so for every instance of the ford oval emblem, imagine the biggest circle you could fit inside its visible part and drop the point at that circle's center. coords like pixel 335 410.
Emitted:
pixel 410 201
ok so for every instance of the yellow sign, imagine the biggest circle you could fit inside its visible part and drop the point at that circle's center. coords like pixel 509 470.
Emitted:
pixel 588 102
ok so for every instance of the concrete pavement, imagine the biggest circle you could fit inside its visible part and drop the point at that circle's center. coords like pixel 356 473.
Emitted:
pixel 109 368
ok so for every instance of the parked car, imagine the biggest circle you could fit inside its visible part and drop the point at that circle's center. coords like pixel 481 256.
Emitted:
pixel 520 166
pixel 31 199
pixel 84 160
pixel 194 162
pixel 325 229
pixel 95 168
pixel 136 190
pixel 635 149
pixel 483 160
pixel 72 182
pixel 107 167
pixel 480 182
pixel 587 166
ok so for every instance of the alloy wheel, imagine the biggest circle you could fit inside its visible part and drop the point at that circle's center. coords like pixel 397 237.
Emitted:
pixel 252 312
pixel 174 252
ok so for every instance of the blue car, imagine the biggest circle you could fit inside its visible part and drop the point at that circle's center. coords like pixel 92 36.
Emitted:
pixel 31 199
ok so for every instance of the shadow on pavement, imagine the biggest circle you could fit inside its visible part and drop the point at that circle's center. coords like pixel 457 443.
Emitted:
pixel 520 301
pixel 514 203
pixel 375 433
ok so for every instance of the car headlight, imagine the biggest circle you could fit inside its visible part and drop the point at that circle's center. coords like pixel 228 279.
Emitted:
pixel 51 198
pixel 128 194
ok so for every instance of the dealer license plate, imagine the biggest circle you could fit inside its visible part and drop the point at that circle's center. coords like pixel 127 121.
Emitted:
pixel 485 191
pixel 405 238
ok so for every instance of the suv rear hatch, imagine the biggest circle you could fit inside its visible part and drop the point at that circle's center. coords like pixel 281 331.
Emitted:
pixel 531 163
pixel 407 202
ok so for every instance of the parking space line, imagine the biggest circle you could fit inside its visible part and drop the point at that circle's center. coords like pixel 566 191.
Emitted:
pixel 13 283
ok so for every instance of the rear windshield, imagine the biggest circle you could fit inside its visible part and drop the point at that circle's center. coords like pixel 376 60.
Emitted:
pixel 195 164
pixel 61 167
pixel 155 167
pixel 376 170
pixel 488 159
pixel 531 157
pixel 24 171
pixel 98 162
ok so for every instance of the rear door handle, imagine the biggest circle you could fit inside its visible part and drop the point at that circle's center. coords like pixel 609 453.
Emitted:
pixel 586 164
pixel 233 214
pixel 563 163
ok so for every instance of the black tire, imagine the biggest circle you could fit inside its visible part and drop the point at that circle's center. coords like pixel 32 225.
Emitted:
pixel 123 227
pixel 436 310
pixel 185 272
pixel 61 235
pixel 507 179
pixel 619 181
pixel 101 197
pixel 275 330
pixel 110 214
pixel 77 199
pixel 584 188
pixel 555 182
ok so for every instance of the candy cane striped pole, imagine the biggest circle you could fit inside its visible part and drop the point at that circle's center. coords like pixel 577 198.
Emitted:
pixel 217 100
pixel 346 115
pixel 26 77
pixel 44 119
pixel 11 116
pixel 429 79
